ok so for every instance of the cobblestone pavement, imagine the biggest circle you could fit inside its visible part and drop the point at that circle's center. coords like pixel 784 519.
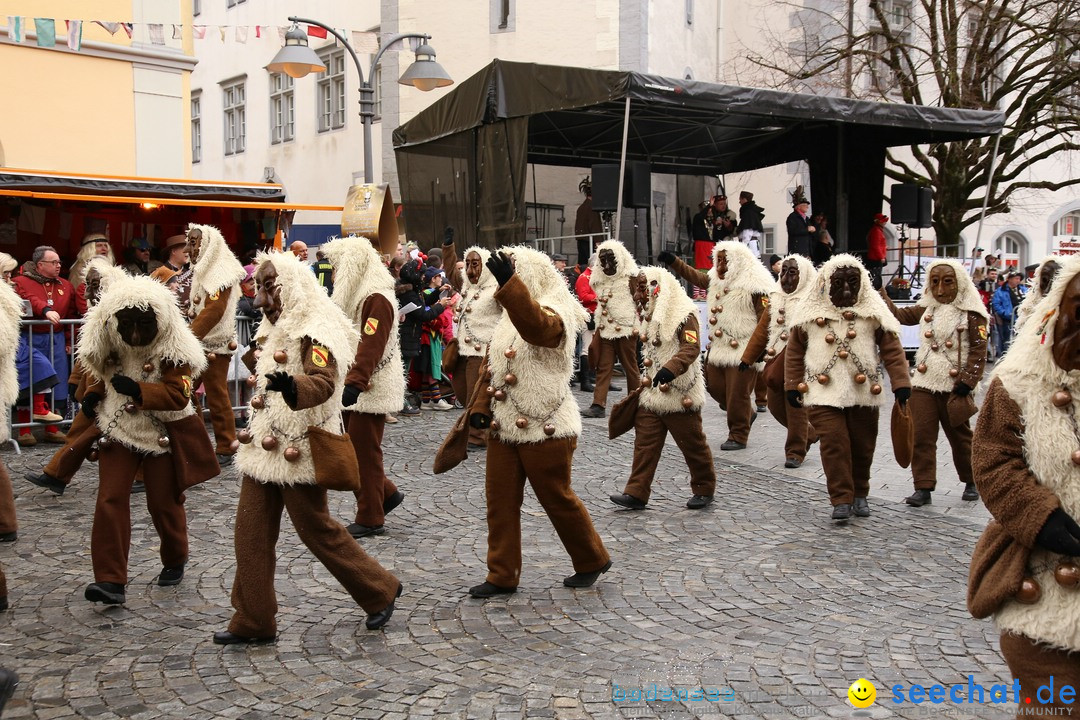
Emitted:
pixel 760 597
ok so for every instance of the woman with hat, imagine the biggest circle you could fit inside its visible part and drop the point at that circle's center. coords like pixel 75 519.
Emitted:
pixel 93 244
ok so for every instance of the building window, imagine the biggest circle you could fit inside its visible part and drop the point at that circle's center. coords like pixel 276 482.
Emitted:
pixel 331 91
pixel 196 7
pixel 196 127
pixel 235 118
pixel 768 240
pixel 1068 225
pixel 897 14
pixel 282 108
pixel 376 84
pixel 233 3
pixel 689 13
pixel 1067 103
pixel 502 15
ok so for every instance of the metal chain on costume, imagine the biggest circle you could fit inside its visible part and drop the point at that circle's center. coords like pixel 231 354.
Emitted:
pixel 609 316
pixel 469 336
pixel 934 346
pixel 843 344
pixel 105 434
pixel 496 387
pixel 650 349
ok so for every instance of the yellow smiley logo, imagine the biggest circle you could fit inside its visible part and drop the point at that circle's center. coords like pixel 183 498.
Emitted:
pixel 862 693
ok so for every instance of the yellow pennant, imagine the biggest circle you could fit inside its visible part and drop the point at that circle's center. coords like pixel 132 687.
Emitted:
pixel 319 355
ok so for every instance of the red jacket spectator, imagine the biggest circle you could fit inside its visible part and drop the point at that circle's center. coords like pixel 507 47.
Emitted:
pixel 44 293
pixel 875 240
pixel 585 294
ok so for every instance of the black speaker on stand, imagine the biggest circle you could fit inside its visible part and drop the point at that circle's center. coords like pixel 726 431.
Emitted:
pixel 605 188
pixel 912 205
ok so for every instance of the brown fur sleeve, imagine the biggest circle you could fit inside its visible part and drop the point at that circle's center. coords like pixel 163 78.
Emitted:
pixel 972 372
pixel 1009 489
pixel 755 348
pixel 173 392
pixel 894 359
pixel 689 274
pixel 316 385
pixel 372 344
pixel 537 325
pixel 449 263
pixel 689 346
pixel 211 314
pixel 910 315
pixel 795 354
pixel 761 304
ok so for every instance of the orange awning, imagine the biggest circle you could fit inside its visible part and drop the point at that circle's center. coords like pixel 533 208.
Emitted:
pixel 164 201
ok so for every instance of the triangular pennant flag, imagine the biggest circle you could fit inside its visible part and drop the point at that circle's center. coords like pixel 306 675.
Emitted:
pixel 258 31
pixel 241 33
pixel 111 27
pixel 128 28
pixel 314 31
pixel 365 43
pixel 15 29
pixel 281 34
pixel 198 31
pixel 74 29
pixel 46 32
pixel 176 30
pixel 221 31
pixel 157 33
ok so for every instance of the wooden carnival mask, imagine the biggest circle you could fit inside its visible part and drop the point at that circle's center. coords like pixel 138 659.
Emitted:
pixel 789 276
pixel 1066 349
pixel 844 286
pixel 137 326
pixel 943 284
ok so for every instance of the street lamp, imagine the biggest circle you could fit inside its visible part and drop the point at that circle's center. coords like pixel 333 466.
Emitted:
pixel 297 59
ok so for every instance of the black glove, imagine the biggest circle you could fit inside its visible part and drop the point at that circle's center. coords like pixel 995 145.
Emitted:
pixel 961 389
pixel 349 395
pixel 283 383
pixel 72 389
pixel 480 421
pixel 876 282
pixel 500 267
pixel 666 257
pixel 126 386
pixel 1060 534
pixel 663 375
pixel 89 404
pixel 794 398
pixel 448 236
pixel 743 367
pixel 902 395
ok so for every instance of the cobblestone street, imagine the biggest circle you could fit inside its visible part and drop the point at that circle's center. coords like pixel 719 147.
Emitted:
pixel 760 597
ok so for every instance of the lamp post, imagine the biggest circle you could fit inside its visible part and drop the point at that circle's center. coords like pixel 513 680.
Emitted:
pixel 297 59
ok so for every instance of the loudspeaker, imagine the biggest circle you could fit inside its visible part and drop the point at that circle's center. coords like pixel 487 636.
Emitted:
pixel 637 190
pixel 605 188
pixel 912 205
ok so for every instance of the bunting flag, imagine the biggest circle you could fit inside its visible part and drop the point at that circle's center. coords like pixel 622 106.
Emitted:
pixel 46 32
pixel 281 34
pixel 15 29
pixel 157 33
pixel 221 30
pixel 241 33
pixel 198 31
pixel 314 31
pixel 110 27
pixel 74 31
pixel 176 32
pixel 128 28
pixel 258 31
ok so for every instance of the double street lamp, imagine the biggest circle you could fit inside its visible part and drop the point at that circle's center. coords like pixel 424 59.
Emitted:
pixel 297 59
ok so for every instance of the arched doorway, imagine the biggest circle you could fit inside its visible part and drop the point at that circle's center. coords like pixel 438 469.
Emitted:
pixel 1012 249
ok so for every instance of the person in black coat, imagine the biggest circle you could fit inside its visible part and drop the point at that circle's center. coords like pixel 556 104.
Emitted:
pixel 799 225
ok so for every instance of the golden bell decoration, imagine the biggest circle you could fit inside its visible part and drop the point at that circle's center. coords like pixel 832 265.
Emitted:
pixel 258 402
pixel 508 353
pixel 510 379
pixel 1067 574
pixel 1075 457
pixel 665 387
pixel 1029 592
pixel 734 343
pixel 549 429
pixel 875 389
pixel 718 309
pixel 500 395
pixel 104 443
pixel 476 348
pixel 953 372
pixel 234 445
pixel 252 380
pixel 148 367
pixel 93 455
pixel 948 343
pixel 771 352
pixel 928 334
pixel 211 357
pixel 269 442
pixel 292 454
pixel 163 441
pixel 921 368
pixel 848 314
pixel 830 338
pixel 522 423
pixel 658 342
pixel 802 387
pixel 784 335
pixel 232 344
pixel 718 333
pixel 1061 398
pixel 280 357
pixel 820 322
pixel 244 436
pixel 490 389
pixel 842 354
pixel 780 320
pixel 647 362
pixel 687 403
pixel 851 334
pixel 713 320
pixel 823 379
pixel 935 347
pixel 495 426
pixel 860 378
pixel 131 408
pixel 928 317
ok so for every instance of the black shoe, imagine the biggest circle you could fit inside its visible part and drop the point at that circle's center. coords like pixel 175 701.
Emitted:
pixel 486 590
pixel 8 682
pixel 3 603
pixel 614 388
pixel 841 512
pixel 108 593
pixel 477 447
pixel 699 501
pixel 761 408
pixel 594 411
pixel 362 531
pixel 919 498
pixel 227 638
pixel 377 620
pixel 627 501
pixel 9 537
pixel 224 461
pixel 971 493
pixel 861 508
pixel 392 502
pixel 792 463
pixel 171 576
pixel 48 482
pixel 584 382
pixel 138 487
pixel 733 445
pixel 585 579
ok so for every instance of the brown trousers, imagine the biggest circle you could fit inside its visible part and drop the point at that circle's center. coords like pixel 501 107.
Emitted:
pixel 761 391
pixel 1035 665
pixel 366 433
pixel 546 465
pixel 8 522
pixel 258 524
pixel 800 433
pixel 626 350
pixel 215 381
pixel 67 460
pixel 3 583
pixel 110 537
pixel 466 374
pixel 848 438
pixel 928 411
pixel 650 434
pixel 732 389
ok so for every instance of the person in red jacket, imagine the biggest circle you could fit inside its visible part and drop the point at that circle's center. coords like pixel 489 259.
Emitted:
pixel 875 249
pixel 587 297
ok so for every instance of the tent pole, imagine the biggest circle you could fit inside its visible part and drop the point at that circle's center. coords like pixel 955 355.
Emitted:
pixel 986 198
pixel 622 170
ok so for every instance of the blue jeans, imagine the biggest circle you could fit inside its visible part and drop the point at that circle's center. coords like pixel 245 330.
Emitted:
pixel 1004 337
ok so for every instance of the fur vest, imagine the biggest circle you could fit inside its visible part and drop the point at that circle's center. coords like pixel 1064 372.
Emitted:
pixel 945 344
pixel 10 315
pixel 216 270
pixel 614 302
pixel 732 308
pixel 782 306
pixel 387 385
pixel 662 333
pixel 478 313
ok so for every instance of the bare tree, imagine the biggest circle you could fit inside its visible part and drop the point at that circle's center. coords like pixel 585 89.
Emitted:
pixel 1021 57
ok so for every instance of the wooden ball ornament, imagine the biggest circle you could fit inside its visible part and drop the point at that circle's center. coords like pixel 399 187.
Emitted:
pixel 734 343
pixel 948 343
pixel 848 315
pixel 719 309
pixel 269 442
pixel 647 362
pixel 851 334
pixel 131 408
pixel 104 443
pixel 928 334
pixel 468 341
pixel 1029 592
pixel 211 357
pixel 718 333
pixel 687 403
pixel 843 354
pixel 658 342
pixel 244 436
pixel 820 322
pixel 232 345
pixel 510 353
pixel 549 429
pixel 802 387
pixel 823 379
pixel 522 423
pixel 93 455
pixel 665 387
pixel 1075 457
pixel 780 319
pixel 476 347
pixel 234 445
pixel 771 352
pixel 875 389
pixel 1067 574
pixel 830 338
pixel 935 347
pixel 280 357
pixel 490 390
pixel 928 318
pixel 860 378
pixel 252 380
pixel 495 426
pixel 1061 398
pixel 921 368
pixel 292 454
pixel 784 335
pixel 148 367
pixel 510 379
pixel 163 441
pixel 713 320
pixel 258 402
pixel 500 395
pixel 953 372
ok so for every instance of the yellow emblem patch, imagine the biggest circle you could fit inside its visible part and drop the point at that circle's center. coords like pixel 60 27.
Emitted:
pixel 982 332
pixel 549 311
pixel 187 385
pixel 691 336
pixel 215 295
pixel 319 355
pixel 764 302
pixel 370 326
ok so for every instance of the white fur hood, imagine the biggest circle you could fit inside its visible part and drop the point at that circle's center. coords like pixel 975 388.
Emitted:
pixel 625 265
pixel 547 287
pixel 668 305
pixel 817 303
pixel 967 295
pixel 744 269
pixel 216 268
pixel 358 273
pixel 807 276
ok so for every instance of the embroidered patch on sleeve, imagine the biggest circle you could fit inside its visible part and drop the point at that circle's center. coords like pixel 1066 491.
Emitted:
pixel 319 355
pixel 186 379
pixel 982 332
pixel 691 336
pixel 549 311
pixel 215 295
pixel 370 326
pixel 764 302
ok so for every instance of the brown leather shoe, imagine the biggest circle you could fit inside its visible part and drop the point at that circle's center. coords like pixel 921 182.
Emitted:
pixel 27 440
pixel 56 438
